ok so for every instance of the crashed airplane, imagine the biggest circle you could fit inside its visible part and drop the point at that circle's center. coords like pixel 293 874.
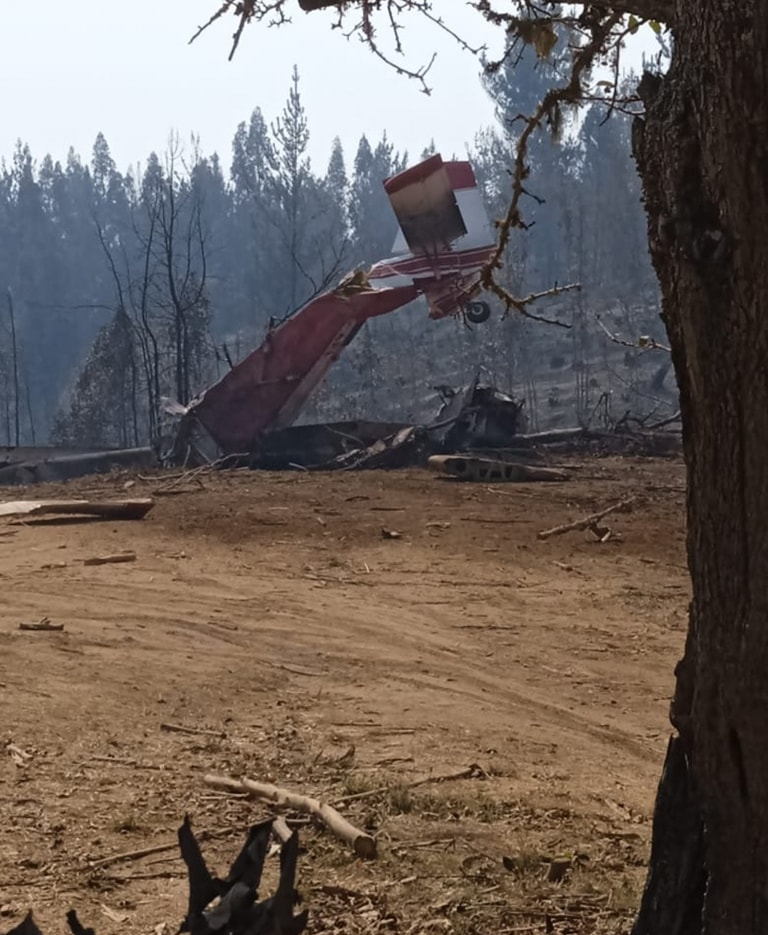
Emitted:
pixel 444 239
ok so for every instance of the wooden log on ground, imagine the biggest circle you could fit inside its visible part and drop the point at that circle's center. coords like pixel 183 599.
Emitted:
pixel 43 626
pixel 281 830
pixel 100 509
pixel 552 437
pixel 363 844
pixel 485 470
pixel 117 559
pixel 624 506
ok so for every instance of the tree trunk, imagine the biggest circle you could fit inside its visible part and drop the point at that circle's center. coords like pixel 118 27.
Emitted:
pixel 15 360
pixel 702 152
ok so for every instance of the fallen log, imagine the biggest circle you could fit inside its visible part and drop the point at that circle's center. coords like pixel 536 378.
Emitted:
pixel 624 506
pixel 53 465
pixel 363 844
pixel 485 470
pixel 44 626
pixel 116 559
pixel 552 437
pixel 100 509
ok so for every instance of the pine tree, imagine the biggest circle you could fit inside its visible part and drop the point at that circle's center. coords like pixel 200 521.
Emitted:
pixel 373 223
pixel 103 409
pixel 103 168
pixel 291 182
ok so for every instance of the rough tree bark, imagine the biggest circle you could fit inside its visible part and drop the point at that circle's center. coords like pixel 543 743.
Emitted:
pixel 702 152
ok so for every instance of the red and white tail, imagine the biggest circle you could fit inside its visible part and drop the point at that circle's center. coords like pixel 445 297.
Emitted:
pixel 439 208
pixel 445 237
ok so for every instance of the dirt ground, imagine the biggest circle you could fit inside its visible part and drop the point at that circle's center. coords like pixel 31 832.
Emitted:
pixel 269 616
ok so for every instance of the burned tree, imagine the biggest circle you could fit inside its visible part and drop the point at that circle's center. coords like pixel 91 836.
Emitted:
pixel 157 342
pixel 700 144
pixel 103 409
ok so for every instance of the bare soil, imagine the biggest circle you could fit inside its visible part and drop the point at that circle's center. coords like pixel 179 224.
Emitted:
pixel 272 612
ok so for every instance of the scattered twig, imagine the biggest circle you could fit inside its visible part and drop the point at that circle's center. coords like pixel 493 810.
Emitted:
pixel 19 756
pixel 126 856
pixel 294 669
pixel 137 854
pixel 117 917
pixel 334 889
pixel 156 875
pixel 675 417
pixel 566 567
pixel 117 761
pixel 471 772
pixel 181 729
pixel 194 474
pixel 625 506
pixel 418 845
pixel 487 520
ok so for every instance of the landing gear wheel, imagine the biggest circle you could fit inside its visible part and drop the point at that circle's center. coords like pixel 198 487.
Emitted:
pixel 477 312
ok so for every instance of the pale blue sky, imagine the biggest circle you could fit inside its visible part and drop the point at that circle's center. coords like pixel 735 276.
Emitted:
pixel 68 70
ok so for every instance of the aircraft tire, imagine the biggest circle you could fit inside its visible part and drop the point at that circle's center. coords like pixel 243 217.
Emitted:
pixel 477 312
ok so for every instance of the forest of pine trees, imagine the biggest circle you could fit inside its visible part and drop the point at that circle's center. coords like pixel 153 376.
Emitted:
pixel 120 290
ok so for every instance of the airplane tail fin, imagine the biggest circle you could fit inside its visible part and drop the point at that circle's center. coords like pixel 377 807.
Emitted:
pixel 438 208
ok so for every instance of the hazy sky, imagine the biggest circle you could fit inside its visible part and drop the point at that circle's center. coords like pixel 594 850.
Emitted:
pixel 70 70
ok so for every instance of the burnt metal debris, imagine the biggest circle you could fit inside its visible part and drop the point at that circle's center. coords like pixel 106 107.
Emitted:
pixel 477 416
pixel 478 420
pixel 230 906
pixel 444 238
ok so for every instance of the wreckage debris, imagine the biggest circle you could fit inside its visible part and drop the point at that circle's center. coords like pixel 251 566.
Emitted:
pixel 91 509
pixel 487 470
pixel 476 416
pixel 444 240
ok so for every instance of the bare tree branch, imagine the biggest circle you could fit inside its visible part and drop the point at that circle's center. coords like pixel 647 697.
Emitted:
pixel 643 343
pixel 520 305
